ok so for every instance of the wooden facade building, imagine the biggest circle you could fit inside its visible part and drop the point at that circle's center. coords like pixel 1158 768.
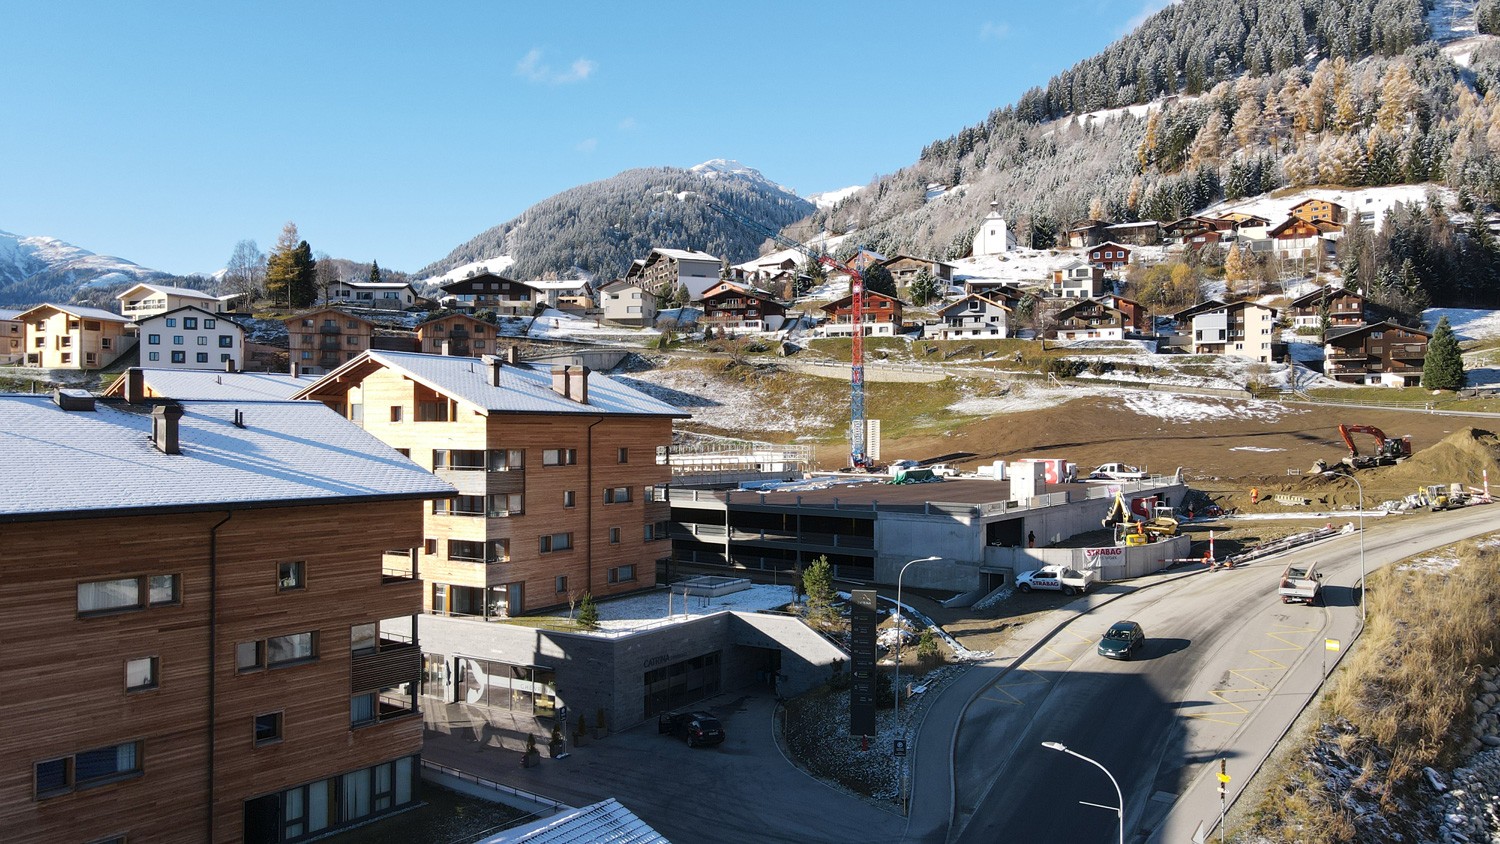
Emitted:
pixel 1385 353
pixel 324 339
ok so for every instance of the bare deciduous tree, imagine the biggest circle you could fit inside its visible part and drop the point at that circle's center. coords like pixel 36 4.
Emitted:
pixel 246 271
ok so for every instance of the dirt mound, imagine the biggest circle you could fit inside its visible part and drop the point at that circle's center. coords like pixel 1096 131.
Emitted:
pixel 1460 457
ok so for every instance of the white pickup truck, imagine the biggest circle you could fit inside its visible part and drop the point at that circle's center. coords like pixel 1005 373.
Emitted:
pixel 1057 578
pixel 1118 472
pixel 1300 584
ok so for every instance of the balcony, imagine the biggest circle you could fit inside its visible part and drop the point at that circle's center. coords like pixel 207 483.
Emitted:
pixel 326 328
pixel 399 566
pixel 1409 351
pixel 1346 355
pixel 330 343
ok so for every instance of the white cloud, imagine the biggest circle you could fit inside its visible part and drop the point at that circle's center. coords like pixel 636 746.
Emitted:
pixel 587 145
pixel 627 125
pixel 532 67
pixel 991 31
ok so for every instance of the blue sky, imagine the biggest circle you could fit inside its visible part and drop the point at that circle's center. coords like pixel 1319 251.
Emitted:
pixel 165 132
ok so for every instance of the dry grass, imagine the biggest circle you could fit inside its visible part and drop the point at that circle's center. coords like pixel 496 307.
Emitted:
pixel 1401 702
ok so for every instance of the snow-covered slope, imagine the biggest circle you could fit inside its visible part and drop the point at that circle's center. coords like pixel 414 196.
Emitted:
pixel 38 269
pixel 728 168
pixel 830 198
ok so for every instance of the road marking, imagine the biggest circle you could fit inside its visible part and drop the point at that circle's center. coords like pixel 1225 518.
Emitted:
pixel 1254 686
pixel 1024 675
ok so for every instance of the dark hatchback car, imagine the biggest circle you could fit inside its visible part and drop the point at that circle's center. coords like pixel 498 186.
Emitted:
pixel 699 728
pixel 1122 640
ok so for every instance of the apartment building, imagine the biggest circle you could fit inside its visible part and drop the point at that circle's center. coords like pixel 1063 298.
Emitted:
pixel 489 292
pixel 1385 353
pixel 457 334
pixel 145 300
pixel 1242 329
pixel 627 303
pixel 322 340
pixel 216 645
pixel 12 337
pixel 73 336
pixel 664 270
pixel 558 470
pixel 191 338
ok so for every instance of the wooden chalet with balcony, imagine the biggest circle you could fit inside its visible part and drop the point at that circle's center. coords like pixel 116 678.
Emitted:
pixel 1090 319
pixel 1316 209
pixel 880 315
pixel 1109 256
pixel 905 268
pixel 489 292
pixel 1344 308
pixel 1385 353
pixel 457 334
pixel 735 308
pixel 1296 238
pixel 322 340
pixel 73 336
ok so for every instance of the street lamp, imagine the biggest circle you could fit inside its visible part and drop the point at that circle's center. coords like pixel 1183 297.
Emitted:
pixel 1120 809
pixel 1361 488
pixel 900 633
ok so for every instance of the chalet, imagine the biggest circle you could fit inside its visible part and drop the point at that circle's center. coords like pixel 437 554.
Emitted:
pixel 627 303
pixel 1086 233
pixel 1383 353
pixel 322 340
pixel 489 292
pixel 383 295
pixel 880 315
pixel 863 257
pixel 1315 209
pixel 1109 256
pixel 1077 279
pixel 1196 241
pixel 1298 238
pixel 905 268
pixel 740 309
pixel 1241 220
pixel 12 337
pixel 753 270
pixel 1344 308
pixel 142 300
pixel 1090 319
pixel 1239 329
pixel 191 338
pixel 1136 319
pixel 219 576
pixel 1143 233
pixel 554 291
pixel 457 334
pixel 974 316
pixel 73 336
pixel 570 504
pixel 664 270
pixel 1181 230
pixel 1004 292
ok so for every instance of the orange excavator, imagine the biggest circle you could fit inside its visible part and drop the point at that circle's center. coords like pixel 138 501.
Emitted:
pixel 1388 450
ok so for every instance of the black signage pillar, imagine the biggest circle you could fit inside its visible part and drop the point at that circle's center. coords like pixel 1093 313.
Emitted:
pixel 863 620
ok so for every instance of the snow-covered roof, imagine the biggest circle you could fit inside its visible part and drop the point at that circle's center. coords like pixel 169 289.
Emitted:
pixel 168 291
pixel 685 255
pixel 606 820
pixel 286 453
pixel 559 284
pixel 524 388
pixel 1141 225
pixel 376 285
pixel 209 385
pixel 79 311
pixel 8 314
pixel 210 314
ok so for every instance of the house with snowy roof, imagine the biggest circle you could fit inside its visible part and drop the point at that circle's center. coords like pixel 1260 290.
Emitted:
pixel 1090 319
pixel 662 271
pixel 557 292
pixel 974 316
pixel 627 303
pixel 486 291
pixel 383 295
pixel 146 299
pixel 206 570
pixel 74 336
pixel 137 384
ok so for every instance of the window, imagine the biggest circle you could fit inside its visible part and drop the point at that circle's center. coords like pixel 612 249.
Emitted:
pixel 286 650
pixel 153 339
pixel 210 323
pixel 461 505
pixel 153 356
pixel 291 575
pixel 249 656
pixel 190 322
pixel 92 767
pixel 163 589
pixel 614 536
pixel 429 546
pixel 131 593
pixel 512 504
pixel 559 456
pixel 177 340
pixel 202 341
pixel 623 456
pixel 179 357
pixel 556 542
pixel 226 341
pixel 507 460
pixel 267 728
pixel 478 551
pixel 560 584
pixel 568 498
pixel 617 495
pixel 171 322
pixel 362 710
pixel 432 411
pixel 395 413
pixel 202 357
pixel 458 459
pixel 140 674
pixel 622 574
pixel 364 638
pixel 225 358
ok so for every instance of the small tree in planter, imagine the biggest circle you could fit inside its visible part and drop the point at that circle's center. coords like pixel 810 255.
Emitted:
pixel 588 614
pixel 530 757
pixel 556 745
pixel 581 734
pixel 600 728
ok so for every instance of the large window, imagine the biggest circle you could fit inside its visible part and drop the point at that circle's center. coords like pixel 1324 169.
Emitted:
pixel 458 459
pixel 140 674
pixel 559 456
pixel 556 542
pixel 431 411
pixel 313 809
pixel 89 768
pixel 507 504
pixel 99 597
pixel 617 495
pixel 462 505
pixel 298 647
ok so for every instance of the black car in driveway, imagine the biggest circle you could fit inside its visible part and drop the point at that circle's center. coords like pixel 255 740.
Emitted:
pixel 699 728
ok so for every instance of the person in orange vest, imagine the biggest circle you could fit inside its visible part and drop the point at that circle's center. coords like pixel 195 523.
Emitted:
pixel 1254 495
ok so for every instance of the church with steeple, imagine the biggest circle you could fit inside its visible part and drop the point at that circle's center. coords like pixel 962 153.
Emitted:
pixel 993 237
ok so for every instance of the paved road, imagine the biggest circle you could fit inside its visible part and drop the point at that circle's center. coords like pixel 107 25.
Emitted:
pixel 1227 668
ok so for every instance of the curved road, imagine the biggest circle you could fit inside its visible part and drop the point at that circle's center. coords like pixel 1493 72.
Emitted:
pixel 1227 666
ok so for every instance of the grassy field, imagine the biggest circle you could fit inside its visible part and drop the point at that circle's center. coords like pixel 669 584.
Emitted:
pixel 1401 702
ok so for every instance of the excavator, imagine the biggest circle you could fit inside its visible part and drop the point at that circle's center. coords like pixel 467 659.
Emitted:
pixel 1388 450
pixel 1130 531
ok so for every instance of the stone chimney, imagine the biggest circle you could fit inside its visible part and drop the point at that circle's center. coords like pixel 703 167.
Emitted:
pixel 135 385
pixel 164 424
pixel 495 364
pixel 578 385
pixel 560 380
pixel 513 354
pixel 296 368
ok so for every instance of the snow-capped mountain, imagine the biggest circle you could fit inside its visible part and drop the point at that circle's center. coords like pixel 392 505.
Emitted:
pixel 40 269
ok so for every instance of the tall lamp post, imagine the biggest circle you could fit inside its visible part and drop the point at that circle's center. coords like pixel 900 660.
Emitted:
pixel 1361 488
pixel 1119 810
pixel 899 632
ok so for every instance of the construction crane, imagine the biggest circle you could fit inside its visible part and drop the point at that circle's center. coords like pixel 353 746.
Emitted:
pixel 857 456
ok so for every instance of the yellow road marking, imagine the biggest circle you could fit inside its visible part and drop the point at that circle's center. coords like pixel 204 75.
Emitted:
pixel 1252 685
pixel 1024 675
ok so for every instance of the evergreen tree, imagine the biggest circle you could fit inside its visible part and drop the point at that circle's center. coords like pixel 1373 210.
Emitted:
pixel 817 582
pixel 588 613
pixel 924 288
pixel 878 279
pixel 304 278
pixel 1443 369
pixel 375 272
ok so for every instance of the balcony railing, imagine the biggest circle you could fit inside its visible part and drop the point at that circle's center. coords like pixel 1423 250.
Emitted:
pixel 329 329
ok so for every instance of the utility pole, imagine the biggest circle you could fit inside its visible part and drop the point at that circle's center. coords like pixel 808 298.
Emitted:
pixel 1223 795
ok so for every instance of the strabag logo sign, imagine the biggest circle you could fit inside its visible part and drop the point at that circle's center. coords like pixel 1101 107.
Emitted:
pixel 1103 552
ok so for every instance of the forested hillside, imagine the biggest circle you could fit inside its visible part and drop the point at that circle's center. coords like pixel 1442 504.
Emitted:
pixel 1211 100
pixel 600 227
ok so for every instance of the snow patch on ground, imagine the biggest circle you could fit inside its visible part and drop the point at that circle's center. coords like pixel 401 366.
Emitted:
pixel 1467 323
pixel 1256 448
pixel 1355 200
pixel 637 611
pixel 1180 408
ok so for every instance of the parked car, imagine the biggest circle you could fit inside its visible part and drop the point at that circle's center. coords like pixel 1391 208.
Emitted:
pixel 1118 472
pixel 698 728
pixel 1122 640
pixel 1056 578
